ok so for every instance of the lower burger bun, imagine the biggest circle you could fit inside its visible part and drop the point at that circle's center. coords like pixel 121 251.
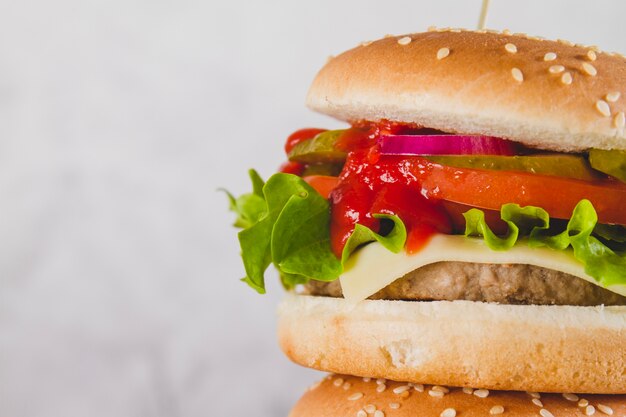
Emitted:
pixel 460 343
pixel 349 396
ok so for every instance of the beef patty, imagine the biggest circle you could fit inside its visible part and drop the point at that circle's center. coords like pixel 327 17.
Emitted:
pixel 506 284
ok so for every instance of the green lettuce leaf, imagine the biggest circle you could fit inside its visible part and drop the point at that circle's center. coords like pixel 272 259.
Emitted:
pixel 581 234
pixel 248 207
pixel 300 239
pixel 286 222
pixel 394 241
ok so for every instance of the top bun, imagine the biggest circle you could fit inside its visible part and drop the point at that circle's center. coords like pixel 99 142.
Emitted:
pixel 546 94
pixel 349 396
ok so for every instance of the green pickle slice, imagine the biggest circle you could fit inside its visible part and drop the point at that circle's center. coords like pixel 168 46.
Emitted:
pixel 568 166
pixel 331 170
pixel 612 162
pixel 320 149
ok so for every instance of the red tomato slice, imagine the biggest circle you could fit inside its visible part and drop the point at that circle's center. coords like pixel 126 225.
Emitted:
pixel 455 212
pixel 323 184
pixel 289 167
pixel 491 189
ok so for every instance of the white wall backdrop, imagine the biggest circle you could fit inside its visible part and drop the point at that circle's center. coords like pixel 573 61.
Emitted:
pixel 119 119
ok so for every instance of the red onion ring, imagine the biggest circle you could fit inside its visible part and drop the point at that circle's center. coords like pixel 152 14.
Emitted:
pixel 445 145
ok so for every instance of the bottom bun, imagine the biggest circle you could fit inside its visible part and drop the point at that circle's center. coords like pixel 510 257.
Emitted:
pixel 349 396
pixel 460 343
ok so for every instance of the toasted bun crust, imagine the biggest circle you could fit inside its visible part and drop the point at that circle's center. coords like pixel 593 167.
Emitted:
pixel 336 396
pixel 474 90
pixel 460 343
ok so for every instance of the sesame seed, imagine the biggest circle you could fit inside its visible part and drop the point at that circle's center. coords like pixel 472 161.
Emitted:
pixel 394 406
pixel 555 69
pixel 550 56
pixel 545 413
pixel 590 410
pixel 605 409
pixel 603 107
pixel 565 42
pixel 338 382
pixel 506 32
pixel 570 397
pixel 613 96
pixel 405 40
pixel 448 412
pixel 381 381
pixel 468 390
pixel 619 121
pixel 566 78
pixel 379 413
pixel 442 53
pixel 347 386
pixel 537 402
pixel 510 48
pixel 440 388
pixel 583 403
pixel 432 28
pixel 481 393
pixel 496 409
pixel 366 43
pixel 589 69
pixel 591 56
pixel 437 394
pixel 381 387
pixel 418 387
pixel 361 413
pixel 355 396
pixel 517 75
pixel 367 379
pixel 401 389
pixel 370 408
pixel 534 394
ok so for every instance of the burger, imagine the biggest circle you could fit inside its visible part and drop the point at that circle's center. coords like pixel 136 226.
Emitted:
pixel 349 396
pixel 467 227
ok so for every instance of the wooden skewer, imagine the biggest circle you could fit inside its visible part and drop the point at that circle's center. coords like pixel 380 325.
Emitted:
pixel 482 21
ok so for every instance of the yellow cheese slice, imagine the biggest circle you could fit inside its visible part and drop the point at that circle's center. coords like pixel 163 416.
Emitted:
pixel 373 267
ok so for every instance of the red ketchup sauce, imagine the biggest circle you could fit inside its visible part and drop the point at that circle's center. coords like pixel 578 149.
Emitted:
pixel 371 183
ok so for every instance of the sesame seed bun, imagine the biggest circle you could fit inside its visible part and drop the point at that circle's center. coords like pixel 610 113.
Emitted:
pixel 349 396
pixel 546 94
pixel 460 343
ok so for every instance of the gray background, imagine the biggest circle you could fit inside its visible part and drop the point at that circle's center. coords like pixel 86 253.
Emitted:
pixel 119 291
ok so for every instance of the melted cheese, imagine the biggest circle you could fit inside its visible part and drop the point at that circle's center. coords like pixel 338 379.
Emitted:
pixel 373 267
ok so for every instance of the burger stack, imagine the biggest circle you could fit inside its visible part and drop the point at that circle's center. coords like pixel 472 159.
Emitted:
pixel 465 235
